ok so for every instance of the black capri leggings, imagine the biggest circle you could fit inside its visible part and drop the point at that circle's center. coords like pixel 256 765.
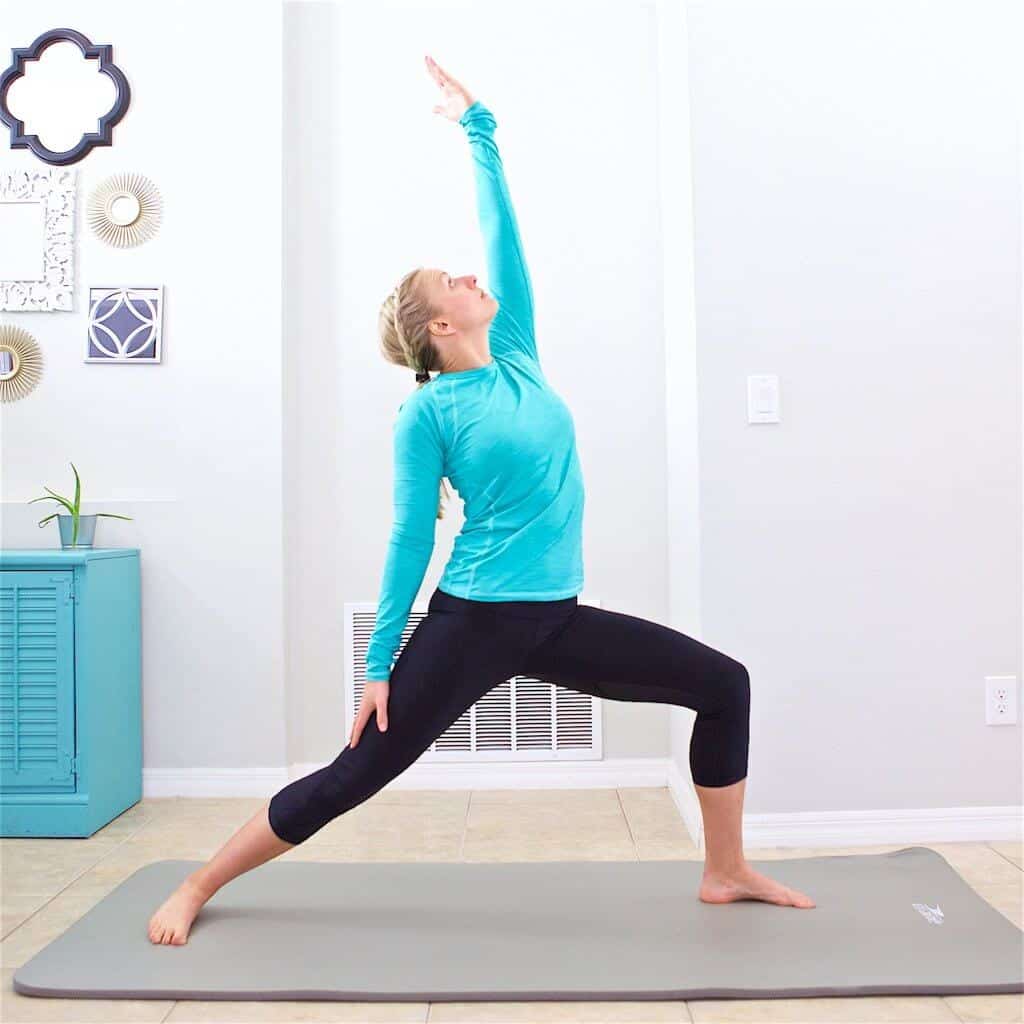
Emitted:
pixel 461 649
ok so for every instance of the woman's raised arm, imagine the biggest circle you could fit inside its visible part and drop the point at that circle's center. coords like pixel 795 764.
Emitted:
pixel 507 273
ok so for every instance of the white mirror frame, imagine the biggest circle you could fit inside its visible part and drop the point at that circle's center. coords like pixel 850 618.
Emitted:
pixel 53 189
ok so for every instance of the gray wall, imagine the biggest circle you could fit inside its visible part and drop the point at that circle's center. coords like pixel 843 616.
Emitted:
pixel 857 216
pixel 857 213
pixel 191 447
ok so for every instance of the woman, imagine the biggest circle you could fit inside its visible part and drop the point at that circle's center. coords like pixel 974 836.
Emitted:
pixel 506 603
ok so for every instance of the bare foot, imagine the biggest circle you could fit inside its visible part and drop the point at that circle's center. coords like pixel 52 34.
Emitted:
pixel 748 884
pixel 170 925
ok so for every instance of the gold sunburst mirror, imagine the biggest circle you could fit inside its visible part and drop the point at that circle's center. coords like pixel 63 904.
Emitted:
pixel 21 363
pixel 125 210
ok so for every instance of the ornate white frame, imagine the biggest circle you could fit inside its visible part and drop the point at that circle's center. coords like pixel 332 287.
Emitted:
pixel 56 188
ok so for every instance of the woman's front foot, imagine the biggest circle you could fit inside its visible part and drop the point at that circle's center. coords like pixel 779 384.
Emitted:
pixel 747 884
pixel 171 923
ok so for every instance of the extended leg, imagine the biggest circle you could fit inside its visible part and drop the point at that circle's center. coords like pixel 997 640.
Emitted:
pixel 449 663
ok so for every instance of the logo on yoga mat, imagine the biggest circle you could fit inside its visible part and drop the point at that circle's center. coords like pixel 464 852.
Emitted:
pixel 933 915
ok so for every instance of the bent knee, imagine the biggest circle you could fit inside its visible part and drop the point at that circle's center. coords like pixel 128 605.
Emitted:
pixel 735 687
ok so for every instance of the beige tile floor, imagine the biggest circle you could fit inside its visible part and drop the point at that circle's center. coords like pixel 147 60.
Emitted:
pixel 47 884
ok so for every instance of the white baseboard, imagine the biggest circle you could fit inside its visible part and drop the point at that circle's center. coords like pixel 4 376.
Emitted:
pixel 609 773
pixel 869 828
pixel 207 782
pixel 856 828
pixel 802 828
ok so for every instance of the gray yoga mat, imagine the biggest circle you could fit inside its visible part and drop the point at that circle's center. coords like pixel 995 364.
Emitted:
pixel 893 923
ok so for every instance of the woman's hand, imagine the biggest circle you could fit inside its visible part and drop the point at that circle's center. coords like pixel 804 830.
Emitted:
pixel 455 99
pixel 375 699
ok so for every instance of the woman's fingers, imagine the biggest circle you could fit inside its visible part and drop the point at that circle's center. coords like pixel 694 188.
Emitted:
pixel 455 98
pixel 372 703
pixel 435 71
pixel 357 725
pixel 441 76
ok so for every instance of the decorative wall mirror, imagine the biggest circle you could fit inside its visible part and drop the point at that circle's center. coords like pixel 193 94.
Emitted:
pixel 21 363
pixel 37 226
pixel 125 209
pixel 57 91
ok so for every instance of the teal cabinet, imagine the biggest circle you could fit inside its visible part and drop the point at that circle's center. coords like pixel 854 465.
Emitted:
pixel 70 689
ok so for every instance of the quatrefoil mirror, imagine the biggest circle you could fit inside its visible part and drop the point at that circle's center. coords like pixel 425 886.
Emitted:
pixel 62 95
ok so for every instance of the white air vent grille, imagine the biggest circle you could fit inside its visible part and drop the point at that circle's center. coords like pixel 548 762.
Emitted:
pixel 520 719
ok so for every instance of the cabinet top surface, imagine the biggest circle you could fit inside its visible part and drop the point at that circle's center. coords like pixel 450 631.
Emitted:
pixel 11 558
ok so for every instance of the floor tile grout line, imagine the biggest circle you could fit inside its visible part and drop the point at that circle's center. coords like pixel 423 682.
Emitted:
pixel 81 874
pixel 952 1009
pixel 988 843
pixel 465 828
pixel 127 838
pixel 629 828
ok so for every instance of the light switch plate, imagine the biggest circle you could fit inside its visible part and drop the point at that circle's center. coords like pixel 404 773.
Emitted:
pixel 763 398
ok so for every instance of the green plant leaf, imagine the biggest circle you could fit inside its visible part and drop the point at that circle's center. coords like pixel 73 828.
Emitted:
pixel 59 497
pixel 78 489
pixel 52 515
pixel 112 515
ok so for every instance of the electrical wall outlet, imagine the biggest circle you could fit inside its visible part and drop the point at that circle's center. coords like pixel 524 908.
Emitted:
pixel 1000 700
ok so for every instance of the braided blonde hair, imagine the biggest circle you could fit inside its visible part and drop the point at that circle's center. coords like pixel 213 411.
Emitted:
pixel 405 339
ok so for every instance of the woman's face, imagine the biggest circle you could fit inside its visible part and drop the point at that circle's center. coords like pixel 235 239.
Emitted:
pixel 460 301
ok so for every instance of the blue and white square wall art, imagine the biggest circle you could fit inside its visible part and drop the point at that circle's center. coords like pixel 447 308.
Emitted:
pixel 124 324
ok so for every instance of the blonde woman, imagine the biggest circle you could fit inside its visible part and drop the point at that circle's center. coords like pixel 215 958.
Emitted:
pixel 506 603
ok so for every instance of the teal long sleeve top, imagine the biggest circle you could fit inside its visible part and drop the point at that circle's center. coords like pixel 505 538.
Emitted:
pixel 500 434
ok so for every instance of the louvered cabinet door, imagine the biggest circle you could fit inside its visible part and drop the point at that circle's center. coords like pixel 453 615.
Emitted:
pixel 37 681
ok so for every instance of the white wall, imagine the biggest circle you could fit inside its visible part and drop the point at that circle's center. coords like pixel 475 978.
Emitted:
pixel 191 448
pixel 378 184
pixel 857 215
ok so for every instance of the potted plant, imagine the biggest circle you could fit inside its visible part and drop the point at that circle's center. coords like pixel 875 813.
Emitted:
pixel 74 523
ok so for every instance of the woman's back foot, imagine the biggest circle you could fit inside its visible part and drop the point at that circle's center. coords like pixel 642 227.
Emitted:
pixel 171 923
